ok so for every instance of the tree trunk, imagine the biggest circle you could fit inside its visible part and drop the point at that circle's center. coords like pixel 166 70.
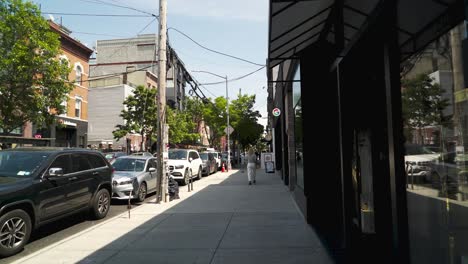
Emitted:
pixel 142 144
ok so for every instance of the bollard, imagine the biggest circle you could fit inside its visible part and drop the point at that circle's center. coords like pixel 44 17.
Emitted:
pixel 412 178
pixel 191 185
pixel 407 175
pixel 188 185
pixel 129 206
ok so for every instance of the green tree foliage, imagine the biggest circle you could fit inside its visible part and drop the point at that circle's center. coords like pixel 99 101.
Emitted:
pixel 215 116
pixel 32 79
pixel 140 114
pixel 247 130
pixel 182 128
pixel 422 103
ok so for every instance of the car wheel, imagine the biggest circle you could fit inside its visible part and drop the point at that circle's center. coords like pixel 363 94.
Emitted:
pixel 15 229
pixel 142 191
pixel 199 176
pixel 185 181
pixel 101 204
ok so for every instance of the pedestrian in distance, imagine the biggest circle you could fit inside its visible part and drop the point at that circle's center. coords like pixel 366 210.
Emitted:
pixel 251 166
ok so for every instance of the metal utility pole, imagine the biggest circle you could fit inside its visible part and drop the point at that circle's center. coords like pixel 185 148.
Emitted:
pixel 161 102
pixel 228 131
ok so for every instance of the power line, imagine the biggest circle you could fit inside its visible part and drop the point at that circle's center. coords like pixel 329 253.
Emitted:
pixel 116 5
pixel 129 42
pixel 214 51
pixel 98 34
pixel 236 79
pixel 84 14
pixel 111 75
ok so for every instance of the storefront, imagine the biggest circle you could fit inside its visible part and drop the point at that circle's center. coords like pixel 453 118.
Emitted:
pixel 338 67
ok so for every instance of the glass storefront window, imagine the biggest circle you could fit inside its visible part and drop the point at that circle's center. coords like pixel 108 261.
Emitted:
pixel 297 104
pixel 435 113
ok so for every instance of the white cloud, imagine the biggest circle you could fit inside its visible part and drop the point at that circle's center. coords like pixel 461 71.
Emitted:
pixel 248 10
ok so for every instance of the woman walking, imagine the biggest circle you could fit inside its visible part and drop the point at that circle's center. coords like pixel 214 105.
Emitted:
pixel 251 166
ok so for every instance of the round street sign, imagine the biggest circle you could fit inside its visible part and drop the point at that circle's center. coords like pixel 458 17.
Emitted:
pixel 276 112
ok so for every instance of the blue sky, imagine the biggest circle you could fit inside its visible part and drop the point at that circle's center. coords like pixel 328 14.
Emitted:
pixel 239 28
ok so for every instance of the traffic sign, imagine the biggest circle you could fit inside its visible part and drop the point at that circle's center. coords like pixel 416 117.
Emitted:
pixel 276 112
pixel 229 130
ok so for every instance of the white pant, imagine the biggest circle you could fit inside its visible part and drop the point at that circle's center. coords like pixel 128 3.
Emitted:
pixel 251 171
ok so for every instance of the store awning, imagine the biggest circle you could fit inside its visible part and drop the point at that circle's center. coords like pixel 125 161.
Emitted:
pixel 297 24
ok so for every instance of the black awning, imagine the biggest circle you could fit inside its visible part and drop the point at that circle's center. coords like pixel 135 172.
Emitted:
pixel 296 24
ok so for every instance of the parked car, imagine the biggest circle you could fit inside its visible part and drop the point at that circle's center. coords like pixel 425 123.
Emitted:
pixel 209 163
pixel 110 156
pixel 217 157
pixel 145 154
pixel 184 164
pixel 134 177
pixel 224 158
pixel 41 185
pixel 450 175
pixel 418 160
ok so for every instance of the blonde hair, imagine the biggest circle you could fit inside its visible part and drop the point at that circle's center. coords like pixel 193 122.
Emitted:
pixel 251 152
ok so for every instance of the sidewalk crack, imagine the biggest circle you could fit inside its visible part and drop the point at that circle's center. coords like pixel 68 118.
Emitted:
pixel 222 237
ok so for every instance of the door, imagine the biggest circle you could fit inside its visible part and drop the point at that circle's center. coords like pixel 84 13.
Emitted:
pixel 151 176
pixel 52 197
pixel 82 183
pixel 196 162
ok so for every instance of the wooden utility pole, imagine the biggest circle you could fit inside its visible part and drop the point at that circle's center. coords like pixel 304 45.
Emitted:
pixel 161 101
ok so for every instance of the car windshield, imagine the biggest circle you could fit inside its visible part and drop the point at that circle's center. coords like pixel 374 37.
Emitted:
pixel 413 149
pixel 204 156
pixel 178 154
pixel 20 163
pixel 125 164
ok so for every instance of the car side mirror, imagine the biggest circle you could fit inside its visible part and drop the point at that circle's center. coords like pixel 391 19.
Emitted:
pixel 55 172
pixel 152 169
pixel 190 159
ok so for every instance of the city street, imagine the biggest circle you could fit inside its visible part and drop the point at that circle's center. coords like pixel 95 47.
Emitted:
pixel 56 231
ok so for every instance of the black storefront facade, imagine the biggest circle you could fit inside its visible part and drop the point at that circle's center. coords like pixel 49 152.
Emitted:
pixel 65 132
pixel 334 71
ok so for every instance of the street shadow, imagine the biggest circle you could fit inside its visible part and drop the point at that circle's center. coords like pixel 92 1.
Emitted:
pixel 225 222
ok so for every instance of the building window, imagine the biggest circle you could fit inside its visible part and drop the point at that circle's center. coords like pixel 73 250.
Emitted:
pixel 78 107
pixel 65 107
pixel 79 72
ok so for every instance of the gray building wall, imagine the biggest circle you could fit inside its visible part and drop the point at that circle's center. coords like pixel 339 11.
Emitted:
pixel 124 55
pixel 106 104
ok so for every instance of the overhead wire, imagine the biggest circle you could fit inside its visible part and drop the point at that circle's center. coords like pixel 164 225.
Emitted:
pixel 128 43
pixel 121 6
pixel 237 78
pixel 212 50
pixel 87 14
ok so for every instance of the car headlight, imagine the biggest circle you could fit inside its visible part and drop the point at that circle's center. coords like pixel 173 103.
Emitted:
pixel 177 167
pixel 127 181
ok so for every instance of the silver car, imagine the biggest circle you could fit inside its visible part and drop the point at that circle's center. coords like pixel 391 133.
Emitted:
pixel 134 176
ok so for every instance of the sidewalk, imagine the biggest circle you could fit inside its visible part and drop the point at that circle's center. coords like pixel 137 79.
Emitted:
pixel 223 220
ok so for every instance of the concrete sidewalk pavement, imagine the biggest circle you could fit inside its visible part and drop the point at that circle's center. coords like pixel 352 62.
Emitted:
pixel 223 220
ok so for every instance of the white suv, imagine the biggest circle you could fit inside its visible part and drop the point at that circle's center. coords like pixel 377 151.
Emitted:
pixel 183 164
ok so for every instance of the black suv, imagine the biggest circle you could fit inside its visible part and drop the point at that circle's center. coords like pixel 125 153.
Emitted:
pixel 40 185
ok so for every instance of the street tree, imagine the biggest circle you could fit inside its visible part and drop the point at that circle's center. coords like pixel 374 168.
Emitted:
pixel 139 115
pixel 423 104
pixel 33 81
pixel 247 130
pixel 215 116
pixel 182 128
